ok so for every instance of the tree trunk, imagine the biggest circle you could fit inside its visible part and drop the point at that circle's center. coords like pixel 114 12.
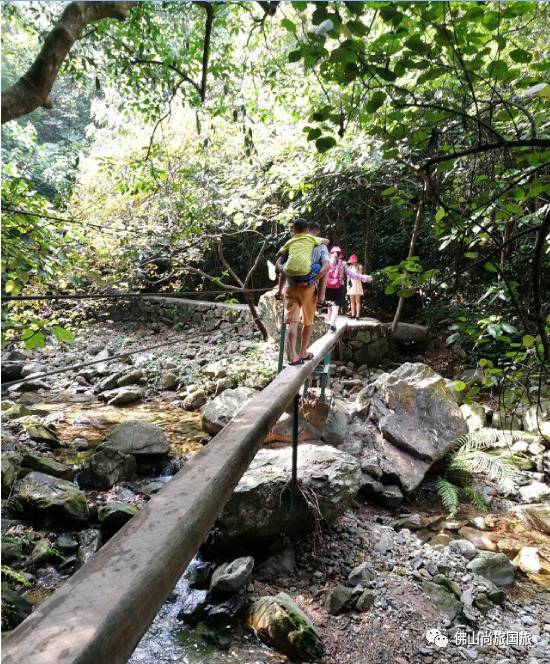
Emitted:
pixel 414 236
pixel 33 89
pixel 249 299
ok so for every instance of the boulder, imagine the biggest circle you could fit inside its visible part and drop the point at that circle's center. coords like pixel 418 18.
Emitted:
pixel 536 416
pixel 282 563
pixel 12 549
pixel 168 380
pixel 14 607
pixel 538 516
pixel 260 508
pixel 414 419
pixel 337 599
pixel 279 622
pixel 493 566
pixel 193 607
pixel 229 577
pixel 528 560
pixel 121 396
pixel 444 600
pixel 114 515
pixel 41 433
pixel 365 601
pixel 17 410
pixel 223 408
pixel 198 574
pixel 10 463
pixel 41 553
pixel 360 575
pixel 49 498
pixel 535 492
pixel 463 547
pixel 90 543
pixel 474 414
pixel 130 377
pixel 336 425
pixel 137 438
pixel 105 468
pixel 47 465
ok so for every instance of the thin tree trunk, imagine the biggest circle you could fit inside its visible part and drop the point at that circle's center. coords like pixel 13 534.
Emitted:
pixel 366 262
pixel 414 236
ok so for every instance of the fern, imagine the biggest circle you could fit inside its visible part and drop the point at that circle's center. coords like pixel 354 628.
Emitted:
pixel 475 497
pixel 475 454
pixel 11 575
pixel 449 494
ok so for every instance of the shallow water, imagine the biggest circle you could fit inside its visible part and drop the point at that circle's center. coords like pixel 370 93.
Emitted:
pixel 94 420
pixel 169 640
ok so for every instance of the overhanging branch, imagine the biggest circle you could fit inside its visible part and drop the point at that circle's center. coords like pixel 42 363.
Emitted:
pixel 33 89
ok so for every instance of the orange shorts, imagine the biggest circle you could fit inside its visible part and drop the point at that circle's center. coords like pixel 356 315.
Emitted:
pixel 300 299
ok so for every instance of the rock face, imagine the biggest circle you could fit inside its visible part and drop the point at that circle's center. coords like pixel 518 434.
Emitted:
pixel 221 410
pixel 105 468
pixel 53 499
pixel 137 438
pixel 259 510
pixel 410 419
pixel 279 622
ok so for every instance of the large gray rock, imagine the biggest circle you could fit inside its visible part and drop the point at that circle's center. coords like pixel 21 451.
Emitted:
pixel 47 465
pixel 279 622
pixel 90 543
pixel 260 510
pixel 121 396
pixel 410 337
pixel 11 463
pixel 443 599
pixel 493 566
pixel 105 468
pixel 416 420
pixel 223 408
pixel 50 498
pixel 229 577
pixel 137 438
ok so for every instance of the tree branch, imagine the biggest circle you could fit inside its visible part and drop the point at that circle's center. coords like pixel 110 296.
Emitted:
pixel 33 89
pixel 488 147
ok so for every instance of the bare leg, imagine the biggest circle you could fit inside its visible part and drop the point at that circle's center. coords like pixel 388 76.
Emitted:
pixel 307 331
pixel 333 314
pixel 358 306
pixel 282 281
pixel 352 305
pixel 291 337
pixel 322 288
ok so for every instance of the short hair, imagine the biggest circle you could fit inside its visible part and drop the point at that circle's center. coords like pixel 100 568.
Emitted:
pixel 299 225
pixel 313 226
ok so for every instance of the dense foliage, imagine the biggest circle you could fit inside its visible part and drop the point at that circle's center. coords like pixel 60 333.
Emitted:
pixel 184 138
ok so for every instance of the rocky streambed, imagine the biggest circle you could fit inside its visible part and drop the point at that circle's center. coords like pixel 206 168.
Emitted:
pixel 358 568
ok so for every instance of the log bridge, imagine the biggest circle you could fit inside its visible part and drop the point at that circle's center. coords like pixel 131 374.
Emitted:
pixel 101 612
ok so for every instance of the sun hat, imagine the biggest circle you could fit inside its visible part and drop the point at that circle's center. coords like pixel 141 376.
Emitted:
pixel 353 259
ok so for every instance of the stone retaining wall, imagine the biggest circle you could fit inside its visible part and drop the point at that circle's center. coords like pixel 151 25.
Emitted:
pixel 209 316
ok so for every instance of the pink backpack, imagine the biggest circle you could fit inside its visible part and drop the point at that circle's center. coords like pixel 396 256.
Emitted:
pixel 335 275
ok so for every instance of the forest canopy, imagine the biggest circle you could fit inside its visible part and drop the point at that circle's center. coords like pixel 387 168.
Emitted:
pixel 166 147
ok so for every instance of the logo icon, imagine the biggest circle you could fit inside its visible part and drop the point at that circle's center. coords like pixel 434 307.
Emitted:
pixel 437 637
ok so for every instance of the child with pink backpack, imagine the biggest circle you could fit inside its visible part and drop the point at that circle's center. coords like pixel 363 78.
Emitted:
pixel 336 284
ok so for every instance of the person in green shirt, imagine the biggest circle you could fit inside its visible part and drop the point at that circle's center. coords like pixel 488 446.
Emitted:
pixel 298 253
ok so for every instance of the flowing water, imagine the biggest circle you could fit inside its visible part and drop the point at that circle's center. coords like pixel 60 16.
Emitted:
pixel 168 640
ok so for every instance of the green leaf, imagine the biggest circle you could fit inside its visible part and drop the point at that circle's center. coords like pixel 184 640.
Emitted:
pixel 325 143
pixel 62 334
pixel 295 56
pixel 458 385
pixel 490 267
pixel 313 134
pixel 406 292
pixel 440 214
pixel 288 25
pixel 528 341
pixel 520 55
pixel 498 69
pixel 33 339
pixel 377 99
